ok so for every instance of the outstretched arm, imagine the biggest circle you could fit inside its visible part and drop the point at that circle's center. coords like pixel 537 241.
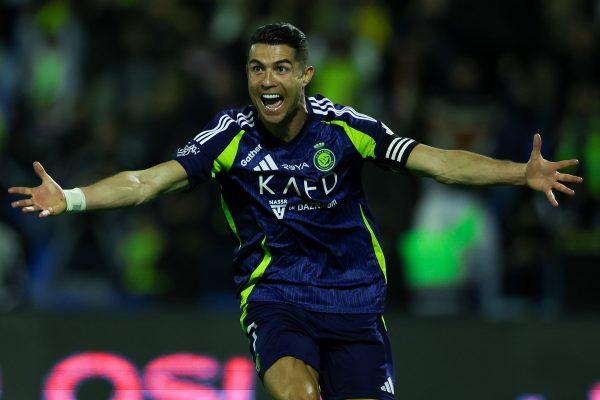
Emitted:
pixel 467 168
pixel 125 189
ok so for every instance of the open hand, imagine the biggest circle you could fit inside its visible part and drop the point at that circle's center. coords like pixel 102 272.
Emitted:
pixel 543 175
pixel 47 199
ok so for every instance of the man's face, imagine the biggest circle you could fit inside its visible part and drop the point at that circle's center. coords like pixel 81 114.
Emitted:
pixel 276 81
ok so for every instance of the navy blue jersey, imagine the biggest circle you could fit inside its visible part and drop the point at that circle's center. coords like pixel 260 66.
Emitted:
pixel 298 210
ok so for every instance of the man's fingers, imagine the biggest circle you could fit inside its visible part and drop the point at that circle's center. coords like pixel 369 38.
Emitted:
pixel 566 163
pixel 40 171
pixel 43 213
pixel 563 189
pixel 30 209
pixel 569 178
pixel 21 203
pixel 537 144
pixel 551 198
pixel 20 190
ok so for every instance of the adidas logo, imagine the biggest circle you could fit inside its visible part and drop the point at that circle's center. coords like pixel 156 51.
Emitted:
pixel 388 386
pixel 266 164
pixel 278 207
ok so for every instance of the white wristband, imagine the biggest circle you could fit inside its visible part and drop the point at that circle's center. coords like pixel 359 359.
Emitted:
pixel 75 200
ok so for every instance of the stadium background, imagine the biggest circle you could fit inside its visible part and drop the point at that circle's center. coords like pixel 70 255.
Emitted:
pixel 493 293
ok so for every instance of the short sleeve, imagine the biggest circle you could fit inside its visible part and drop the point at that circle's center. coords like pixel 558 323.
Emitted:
pixel 198 155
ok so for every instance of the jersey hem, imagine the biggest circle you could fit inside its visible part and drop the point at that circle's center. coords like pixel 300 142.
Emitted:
pixel 319 308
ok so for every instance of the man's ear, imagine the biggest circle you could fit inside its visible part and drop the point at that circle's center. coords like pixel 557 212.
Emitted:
pixel 307 75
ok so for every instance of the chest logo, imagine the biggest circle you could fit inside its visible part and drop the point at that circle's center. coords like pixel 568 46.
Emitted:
pixel 324 160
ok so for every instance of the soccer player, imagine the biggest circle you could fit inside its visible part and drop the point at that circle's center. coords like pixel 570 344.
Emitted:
pixel 309 270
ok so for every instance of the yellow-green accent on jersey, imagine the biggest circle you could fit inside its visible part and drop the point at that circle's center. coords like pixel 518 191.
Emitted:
pixel 225 160
pixel 254 278
pixel 376 246
pixel 229 218
pixel 364 143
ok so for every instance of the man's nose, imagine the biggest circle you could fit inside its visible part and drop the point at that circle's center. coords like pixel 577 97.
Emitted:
pixel 268 78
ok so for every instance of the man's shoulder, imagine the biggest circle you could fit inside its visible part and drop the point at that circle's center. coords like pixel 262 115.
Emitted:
pixel 226 124
pixel 240 117
pixel 324 108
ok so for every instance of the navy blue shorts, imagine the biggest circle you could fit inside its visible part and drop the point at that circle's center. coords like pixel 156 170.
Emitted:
pixel 351 352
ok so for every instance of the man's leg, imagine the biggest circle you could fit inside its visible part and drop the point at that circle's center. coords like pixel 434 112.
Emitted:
pixel 292 379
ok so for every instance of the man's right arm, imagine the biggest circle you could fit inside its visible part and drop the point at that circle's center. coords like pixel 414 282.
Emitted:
pixel 125 189
pixel 131 188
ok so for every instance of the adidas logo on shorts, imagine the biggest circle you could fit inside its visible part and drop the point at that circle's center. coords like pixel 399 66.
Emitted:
pixel 388 386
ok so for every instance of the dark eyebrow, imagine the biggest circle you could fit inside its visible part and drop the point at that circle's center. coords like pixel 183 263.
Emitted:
pixel 278 62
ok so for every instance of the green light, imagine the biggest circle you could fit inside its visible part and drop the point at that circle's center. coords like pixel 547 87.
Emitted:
pixel 591 164
pixel 48 73
pixel 338 78
pixel 52 16
pixel 434 258
pixel 583 140
pixel 140 252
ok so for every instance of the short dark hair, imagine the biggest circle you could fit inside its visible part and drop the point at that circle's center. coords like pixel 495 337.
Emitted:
pixel 283 33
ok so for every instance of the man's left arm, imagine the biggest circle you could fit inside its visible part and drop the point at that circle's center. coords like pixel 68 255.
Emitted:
pixel 467 168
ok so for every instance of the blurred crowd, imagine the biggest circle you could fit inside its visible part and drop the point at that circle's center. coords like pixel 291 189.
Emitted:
pixel 93 87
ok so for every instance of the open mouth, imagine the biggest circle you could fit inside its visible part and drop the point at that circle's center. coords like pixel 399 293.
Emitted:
pixel 271 101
